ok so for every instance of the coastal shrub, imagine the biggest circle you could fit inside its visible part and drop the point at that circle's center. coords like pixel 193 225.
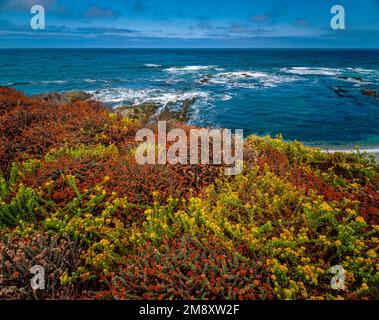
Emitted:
pixel 30 127
pixel 181 269
pixel 73 199
pixel 299 238
pixel 58 255
pixel 23 207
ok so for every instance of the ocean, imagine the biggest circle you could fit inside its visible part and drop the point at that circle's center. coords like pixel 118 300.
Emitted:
pixel 314 96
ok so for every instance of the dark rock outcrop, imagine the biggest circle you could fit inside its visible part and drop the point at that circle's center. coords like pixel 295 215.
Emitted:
pixel 78 96
pixel 353 78
pixel 370 93
pixel 141 112
pixel 148 112
pixel 343 93
pixel 59 99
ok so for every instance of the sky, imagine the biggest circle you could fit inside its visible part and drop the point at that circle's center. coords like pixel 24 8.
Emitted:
pixel 189 24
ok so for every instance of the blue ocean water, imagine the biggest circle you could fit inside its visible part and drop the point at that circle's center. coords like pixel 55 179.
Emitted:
pixel 264 91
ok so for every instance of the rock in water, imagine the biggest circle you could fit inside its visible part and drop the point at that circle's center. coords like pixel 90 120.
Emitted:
pixel 141 112
pixel 353 78
pixel 343 93
pixel 183 115
pixel 171 114
pixel 370 93
pixel 147 112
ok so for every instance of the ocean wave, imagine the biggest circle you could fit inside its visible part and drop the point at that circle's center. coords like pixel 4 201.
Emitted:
pixel 23 83
pixel 152 65
pixel 52 81
pixel 356 80
pixel 101 80
pixel 361 70
pixel 226 97
pixel 248 79
pixel 312 71
pixel 367 150
pixel 190 69
pixel 123 96
pixel 242 74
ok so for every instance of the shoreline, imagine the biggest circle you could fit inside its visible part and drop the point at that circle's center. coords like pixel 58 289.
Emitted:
pixel 369 151
pixel 148 110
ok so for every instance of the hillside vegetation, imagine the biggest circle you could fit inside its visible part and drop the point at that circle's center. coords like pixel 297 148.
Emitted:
pixel 73 200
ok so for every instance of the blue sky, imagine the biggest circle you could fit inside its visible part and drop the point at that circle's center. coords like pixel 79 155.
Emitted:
pixel 190 23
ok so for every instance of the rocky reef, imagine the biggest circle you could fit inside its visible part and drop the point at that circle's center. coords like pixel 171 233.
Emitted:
pixel 151 112
pixel 370 93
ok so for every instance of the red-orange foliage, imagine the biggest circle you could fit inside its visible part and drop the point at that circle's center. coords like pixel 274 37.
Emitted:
pixel 30 127
pixel 185 270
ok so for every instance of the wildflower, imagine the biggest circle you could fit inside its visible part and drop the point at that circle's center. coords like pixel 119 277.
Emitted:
pixel 287 293
pixel 104 242
pixel 338 243
pixel 149 212
pixel 155 194
pixel 364 287
pixel 371 253
pixel 307 206
pixel 49 183
pixel 359 219
pixel 64 278
pixel 326 207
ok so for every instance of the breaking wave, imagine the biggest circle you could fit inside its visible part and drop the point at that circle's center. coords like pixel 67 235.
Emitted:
pixel 312 71
pixel 152 65
pixel 248 79
pixel 191 69
pixel 123 96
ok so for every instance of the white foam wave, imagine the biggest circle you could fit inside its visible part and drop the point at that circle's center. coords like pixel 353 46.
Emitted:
pixel 356 81
pixel 248 79
pixel 51 81
pixel 312 71
pixel 189 69
pixel 90 80
pixel 123 96
pixel 100 80
pixel 361 70
pixel 367 150
pixel 152 65
pixel 36 82
pixel 242 74
pixel 226 97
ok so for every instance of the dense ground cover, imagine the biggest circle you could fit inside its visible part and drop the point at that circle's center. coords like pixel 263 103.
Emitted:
pixel 73 200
